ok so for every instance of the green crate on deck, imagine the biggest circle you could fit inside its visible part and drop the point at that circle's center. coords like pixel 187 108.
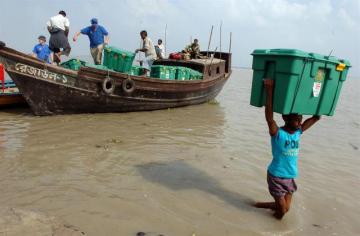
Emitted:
pixel 100 67
pixel 137 70
pixel 163 72
pixel 182 73
pixel 117 59
pixel 195 75
pixel 305 83
pixel 73 64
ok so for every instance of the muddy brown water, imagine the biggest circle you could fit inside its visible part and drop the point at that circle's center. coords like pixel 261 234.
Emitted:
pixel 186 171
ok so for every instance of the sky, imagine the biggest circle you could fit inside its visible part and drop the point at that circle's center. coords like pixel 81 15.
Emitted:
pixel 319 26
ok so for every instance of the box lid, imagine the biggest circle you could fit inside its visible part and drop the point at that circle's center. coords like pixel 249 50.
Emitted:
pixel 299 53
pixel 120 51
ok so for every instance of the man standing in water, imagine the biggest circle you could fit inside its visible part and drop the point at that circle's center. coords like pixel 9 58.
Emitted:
pixel 58 27
pixel 148 48
pixel 283 169
pixel 98 37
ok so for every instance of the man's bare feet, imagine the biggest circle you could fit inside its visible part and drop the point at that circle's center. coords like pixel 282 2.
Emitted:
pixel 266 205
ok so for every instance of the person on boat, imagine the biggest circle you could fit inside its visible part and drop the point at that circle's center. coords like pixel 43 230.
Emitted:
pixel 160 49
pixel 58 27
pixel 98 36
pixel 283 169
pixel 41 50
pixel 148 48
pixel 193 49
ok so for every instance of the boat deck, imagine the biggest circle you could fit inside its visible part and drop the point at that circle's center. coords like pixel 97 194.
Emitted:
pixel 208 61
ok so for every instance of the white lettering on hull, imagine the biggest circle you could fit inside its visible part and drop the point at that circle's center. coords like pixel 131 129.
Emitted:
pixel 44 74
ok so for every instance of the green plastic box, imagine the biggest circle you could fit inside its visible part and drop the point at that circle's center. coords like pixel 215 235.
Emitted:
pixel 117 59
pixel 100 67
pixel 195 75
pixel 137 70
pixel 163 72
pixel 182 73
pixel 73 64
pixel 305 83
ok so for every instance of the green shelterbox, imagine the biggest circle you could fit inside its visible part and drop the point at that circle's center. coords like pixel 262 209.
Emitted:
pixel 182 73
pixel 137 70
pixel 305 83
pixel 73 64
pixel 163 72
pixel 195 75
pixel 100 67
pixel 117 59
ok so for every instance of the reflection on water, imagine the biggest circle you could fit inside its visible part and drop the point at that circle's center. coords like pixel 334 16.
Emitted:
pixel 180 171
pixel 12 133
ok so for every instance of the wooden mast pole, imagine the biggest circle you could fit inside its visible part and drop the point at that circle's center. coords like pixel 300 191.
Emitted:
pixel 230 43
pixel 207 54
pixel 165 41
pixel 220 37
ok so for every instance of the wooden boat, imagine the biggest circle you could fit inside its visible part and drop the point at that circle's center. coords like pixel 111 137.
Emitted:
pixel 9 95
pixel 50 89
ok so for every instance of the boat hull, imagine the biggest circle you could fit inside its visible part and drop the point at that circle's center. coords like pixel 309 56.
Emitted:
pixel 52 98
pixel 10 100
pixel 51 90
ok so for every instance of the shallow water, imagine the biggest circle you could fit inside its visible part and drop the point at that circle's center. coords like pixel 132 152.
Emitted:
pixel 184 171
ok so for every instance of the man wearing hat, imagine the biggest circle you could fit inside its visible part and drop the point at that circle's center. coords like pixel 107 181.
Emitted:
pixel 98 37
pixel 41 50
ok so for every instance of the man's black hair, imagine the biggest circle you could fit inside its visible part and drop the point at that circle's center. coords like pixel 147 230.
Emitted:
pixel 62 13
pixel 143 32
pixel 160 40
pixel 291 115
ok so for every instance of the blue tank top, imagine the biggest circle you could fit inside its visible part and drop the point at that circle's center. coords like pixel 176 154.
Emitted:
pixel 285 150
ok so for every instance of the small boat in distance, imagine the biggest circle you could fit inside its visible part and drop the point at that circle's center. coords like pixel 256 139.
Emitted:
pixel 9 93
pixel 50 89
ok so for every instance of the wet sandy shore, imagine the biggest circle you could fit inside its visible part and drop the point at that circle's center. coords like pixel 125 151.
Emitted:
pixel 187 171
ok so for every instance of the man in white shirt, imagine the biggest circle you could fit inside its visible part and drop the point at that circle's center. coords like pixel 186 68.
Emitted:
pixel 148 48
pixel 160 49
pixel 58 27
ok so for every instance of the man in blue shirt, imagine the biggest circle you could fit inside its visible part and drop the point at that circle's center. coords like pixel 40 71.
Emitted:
pixel 283 168
pixel 98 37
pixel 41 50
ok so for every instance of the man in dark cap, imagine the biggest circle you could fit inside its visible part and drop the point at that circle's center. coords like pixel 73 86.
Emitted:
pixel 58 27
pixel 98 37
pixel 41 50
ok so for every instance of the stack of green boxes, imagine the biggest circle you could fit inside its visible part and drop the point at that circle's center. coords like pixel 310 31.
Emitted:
pixel 182 73
pixel 137 70
pixel 117 59
pixel 305 83
pixel 195 75
pixel 73 64
pixel 163 72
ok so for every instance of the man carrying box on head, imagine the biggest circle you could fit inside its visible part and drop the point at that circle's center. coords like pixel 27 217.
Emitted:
pixel 98 37
pixel 285 145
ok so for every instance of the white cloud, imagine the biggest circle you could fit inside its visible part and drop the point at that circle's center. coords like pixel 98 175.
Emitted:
pixel 346 18
pixel 318 26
